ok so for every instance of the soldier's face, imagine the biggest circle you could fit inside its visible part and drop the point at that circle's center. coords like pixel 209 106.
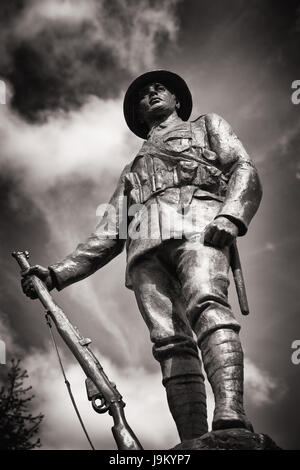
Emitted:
pixel 155 99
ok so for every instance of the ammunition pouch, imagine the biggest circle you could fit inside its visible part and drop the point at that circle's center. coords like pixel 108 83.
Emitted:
pixel 140 189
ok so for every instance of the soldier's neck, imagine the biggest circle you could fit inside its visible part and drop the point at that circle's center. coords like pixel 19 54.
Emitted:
pixel 164 124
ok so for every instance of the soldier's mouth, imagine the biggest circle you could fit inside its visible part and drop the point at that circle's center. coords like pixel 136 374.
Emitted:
pixel 154 100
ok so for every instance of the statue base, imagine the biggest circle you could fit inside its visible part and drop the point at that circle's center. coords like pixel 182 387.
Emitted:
pixel 229 439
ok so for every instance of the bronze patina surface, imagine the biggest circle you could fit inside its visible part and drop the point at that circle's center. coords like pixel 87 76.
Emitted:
pixel 180 276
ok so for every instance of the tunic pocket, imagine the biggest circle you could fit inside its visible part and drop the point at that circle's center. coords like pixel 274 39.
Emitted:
pixel 178 142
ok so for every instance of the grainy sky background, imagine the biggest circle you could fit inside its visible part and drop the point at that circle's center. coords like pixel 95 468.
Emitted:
pixel 66 65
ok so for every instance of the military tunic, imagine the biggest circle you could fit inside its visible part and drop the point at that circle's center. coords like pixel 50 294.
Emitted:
pixel 180 284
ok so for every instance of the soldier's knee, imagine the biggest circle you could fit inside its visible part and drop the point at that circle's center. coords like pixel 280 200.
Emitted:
pixel 214 318
pixel 173 345
pixel 178 355
pixel 214 289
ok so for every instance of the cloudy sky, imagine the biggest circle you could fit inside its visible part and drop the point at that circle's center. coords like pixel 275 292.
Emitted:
pixel 66 65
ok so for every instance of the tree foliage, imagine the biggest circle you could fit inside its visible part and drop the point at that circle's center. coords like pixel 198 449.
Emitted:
pixel 18 427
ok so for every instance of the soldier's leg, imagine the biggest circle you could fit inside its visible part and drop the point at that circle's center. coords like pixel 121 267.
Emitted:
pixel 223 360
pixel 203 272
pixel 157 294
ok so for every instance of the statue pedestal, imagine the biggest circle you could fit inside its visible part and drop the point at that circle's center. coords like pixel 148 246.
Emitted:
pixel 229 439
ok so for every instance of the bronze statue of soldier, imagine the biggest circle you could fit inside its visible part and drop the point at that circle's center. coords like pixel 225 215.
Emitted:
pixel 180 282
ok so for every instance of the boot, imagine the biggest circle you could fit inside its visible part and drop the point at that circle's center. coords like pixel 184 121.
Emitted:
pixel 222 356
pixel 187 402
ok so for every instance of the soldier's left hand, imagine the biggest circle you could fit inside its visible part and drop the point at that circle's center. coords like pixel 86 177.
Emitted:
pixel 220 233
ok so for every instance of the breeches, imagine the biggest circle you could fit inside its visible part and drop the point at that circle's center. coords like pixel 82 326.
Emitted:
pixel 181 287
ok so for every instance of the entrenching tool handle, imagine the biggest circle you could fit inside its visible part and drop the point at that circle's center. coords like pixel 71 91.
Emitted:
pixel 239 278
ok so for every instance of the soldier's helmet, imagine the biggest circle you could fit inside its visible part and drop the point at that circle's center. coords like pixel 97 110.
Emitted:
pixel 171 81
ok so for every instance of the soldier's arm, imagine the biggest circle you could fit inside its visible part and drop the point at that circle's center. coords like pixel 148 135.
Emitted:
pixel 98 249
pixel 244 188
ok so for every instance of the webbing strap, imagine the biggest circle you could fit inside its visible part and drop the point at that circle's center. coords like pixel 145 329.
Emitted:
pixel 68 385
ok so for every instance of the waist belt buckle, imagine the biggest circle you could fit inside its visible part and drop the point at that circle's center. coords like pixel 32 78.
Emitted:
pixel 187 171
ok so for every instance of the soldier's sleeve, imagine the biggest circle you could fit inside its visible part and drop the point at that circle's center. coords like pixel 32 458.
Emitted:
pixel 101 246
pixel 244 191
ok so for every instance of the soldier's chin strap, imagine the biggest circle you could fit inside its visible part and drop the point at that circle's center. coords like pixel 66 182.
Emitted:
pixel 68 385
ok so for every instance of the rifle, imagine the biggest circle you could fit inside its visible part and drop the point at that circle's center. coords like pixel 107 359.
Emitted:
pixel 97 383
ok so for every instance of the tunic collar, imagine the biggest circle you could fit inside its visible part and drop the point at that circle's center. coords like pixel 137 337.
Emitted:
pixel 168 124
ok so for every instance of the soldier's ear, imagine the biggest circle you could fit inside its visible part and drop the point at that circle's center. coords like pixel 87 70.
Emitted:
pixel 177 105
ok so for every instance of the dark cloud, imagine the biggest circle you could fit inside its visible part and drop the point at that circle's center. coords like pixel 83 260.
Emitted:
pixel 55 60
pixel 9 9
pixel 58 69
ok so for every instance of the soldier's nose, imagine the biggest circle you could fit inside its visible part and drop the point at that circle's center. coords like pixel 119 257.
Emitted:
pixel 152 93
pixel 152 90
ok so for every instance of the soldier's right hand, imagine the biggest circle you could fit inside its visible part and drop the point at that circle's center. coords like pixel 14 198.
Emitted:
pixel 39 271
